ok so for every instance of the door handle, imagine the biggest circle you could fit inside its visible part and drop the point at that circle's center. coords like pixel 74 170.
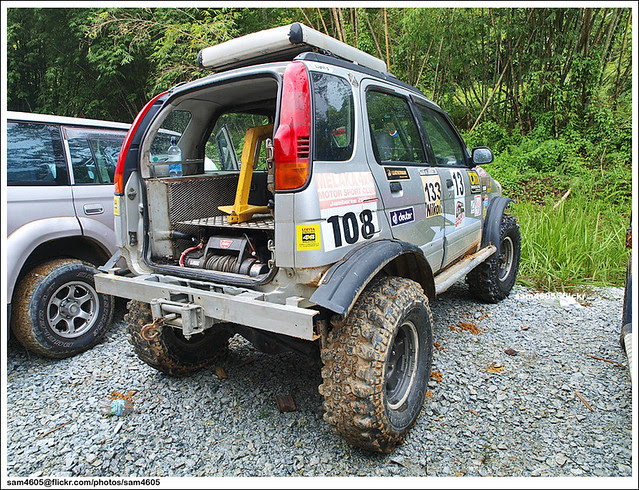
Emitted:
pixel 449 183
pixel 395 187
pixel 90 209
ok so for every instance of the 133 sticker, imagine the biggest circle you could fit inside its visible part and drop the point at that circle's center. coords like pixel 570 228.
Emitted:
pixel 432 194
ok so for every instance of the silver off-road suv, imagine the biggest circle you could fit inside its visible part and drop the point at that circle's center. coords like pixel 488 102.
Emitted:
pixel 321 205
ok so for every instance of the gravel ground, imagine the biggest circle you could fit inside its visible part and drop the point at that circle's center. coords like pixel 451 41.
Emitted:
pixel 523 419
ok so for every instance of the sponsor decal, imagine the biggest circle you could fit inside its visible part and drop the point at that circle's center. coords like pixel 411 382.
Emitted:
pixel 225 243
pixel 485 206
pixel 481 172
pixel 432 194
pixel 402 216
pixel 396 173
pixel 476 206
pixel 116 205
pixel 345 189
pixel 427 171
pixel 475 182
pixel 309 237
pixel 319 67
pixel 460 212
pixel 348 208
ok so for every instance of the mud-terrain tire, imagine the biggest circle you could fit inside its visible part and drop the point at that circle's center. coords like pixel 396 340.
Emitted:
pixel 56 311
pixel 165 349
pixel 492 280
pixel 377 364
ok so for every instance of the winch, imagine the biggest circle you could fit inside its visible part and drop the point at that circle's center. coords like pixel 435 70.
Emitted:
pixel 225 254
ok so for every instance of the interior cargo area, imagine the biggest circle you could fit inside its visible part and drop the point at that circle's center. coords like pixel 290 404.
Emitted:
pixel 211 207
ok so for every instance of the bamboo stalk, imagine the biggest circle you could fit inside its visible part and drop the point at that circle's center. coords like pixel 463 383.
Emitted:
pixel 491 97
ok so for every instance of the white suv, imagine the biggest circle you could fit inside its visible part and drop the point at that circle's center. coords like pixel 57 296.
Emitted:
pixel 59 227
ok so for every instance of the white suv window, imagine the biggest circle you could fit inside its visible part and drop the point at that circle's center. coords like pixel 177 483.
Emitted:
pixel 35 155
pixel 94 154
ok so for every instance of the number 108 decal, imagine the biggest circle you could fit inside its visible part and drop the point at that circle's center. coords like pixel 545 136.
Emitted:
pixel 352 227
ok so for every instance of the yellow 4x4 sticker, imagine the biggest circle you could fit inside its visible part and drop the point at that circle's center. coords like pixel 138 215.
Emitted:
pixel 308 237
pixel 475 182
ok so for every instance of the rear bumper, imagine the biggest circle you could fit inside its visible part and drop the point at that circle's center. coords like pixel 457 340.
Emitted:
pixel 234 305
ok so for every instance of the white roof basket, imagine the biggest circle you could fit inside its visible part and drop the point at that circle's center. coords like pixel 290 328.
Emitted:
pixel 280 44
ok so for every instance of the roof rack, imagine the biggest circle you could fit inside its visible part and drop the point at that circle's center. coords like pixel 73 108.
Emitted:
pixel 281 44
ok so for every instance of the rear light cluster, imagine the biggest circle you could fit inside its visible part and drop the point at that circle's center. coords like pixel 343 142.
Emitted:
pixel 118 179
pixel 292 140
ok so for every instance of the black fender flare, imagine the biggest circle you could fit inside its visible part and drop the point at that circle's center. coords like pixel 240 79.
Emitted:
pixel 492 222
pixel 342 284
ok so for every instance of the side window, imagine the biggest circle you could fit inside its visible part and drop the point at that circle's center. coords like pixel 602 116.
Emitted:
pixel 393 130
pixel 446 146
pixel 34 155
pixel 334 117
pixel 223 149
pixel 94 154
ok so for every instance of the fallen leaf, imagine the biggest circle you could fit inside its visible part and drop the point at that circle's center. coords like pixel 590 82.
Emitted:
pixel 470 327
pixel 437 345
pixel 437 376
pixel 220 373
pixel 494 367
pixel 429 394
pixel 285 403
pixel 511 352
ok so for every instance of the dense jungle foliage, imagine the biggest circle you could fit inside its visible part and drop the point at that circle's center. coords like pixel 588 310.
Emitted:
pixel 549 90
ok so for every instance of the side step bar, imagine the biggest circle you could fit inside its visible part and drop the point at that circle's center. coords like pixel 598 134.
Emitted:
pixel 455 272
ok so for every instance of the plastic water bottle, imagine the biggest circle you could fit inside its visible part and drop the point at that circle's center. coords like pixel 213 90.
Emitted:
pixel 174 155
pixel 118 407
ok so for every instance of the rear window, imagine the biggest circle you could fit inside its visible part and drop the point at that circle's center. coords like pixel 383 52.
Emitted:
pixel 334 118
pixel 35 155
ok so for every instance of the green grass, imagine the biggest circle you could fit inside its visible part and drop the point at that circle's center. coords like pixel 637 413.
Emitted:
pixel 580 243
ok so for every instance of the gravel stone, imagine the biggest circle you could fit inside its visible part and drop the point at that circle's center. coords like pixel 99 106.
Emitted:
pixel 524 420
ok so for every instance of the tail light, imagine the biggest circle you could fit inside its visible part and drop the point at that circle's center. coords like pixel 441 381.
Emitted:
pixel 292 140
pixel 118 178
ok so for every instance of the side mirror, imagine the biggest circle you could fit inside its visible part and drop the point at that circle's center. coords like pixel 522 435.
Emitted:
pixel 482 155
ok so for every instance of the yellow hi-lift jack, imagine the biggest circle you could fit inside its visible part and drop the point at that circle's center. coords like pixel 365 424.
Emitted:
pixel 243 211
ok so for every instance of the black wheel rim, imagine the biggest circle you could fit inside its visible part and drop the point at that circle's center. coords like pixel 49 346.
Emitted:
pixel 401 367
pixel 506 258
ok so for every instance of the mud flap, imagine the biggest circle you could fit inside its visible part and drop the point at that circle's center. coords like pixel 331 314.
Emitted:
pixel 492 222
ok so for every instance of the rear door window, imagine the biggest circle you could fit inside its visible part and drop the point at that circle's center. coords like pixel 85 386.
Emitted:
pixel 94 154
pixel 394 133
pixel 334 118
pixel 35 155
